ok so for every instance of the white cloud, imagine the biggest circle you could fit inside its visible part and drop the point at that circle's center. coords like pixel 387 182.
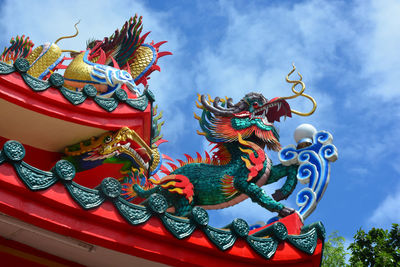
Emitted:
pixel 257 49
pixel 387 212
pixel 380 55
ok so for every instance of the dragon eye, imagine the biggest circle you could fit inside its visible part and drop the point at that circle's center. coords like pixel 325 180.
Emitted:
pixel 255 104
pixel 107 139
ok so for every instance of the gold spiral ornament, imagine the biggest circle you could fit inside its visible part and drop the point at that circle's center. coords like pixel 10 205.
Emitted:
pixel 299 93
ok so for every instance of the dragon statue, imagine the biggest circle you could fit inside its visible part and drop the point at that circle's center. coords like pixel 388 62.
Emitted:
pixel 138 160
pixel 239 166
pixel 240 132
pixel 122 60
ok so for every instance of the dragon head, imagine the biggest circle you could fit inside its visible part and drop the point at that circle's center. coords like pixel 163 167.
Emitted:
pixel 251 118
pixel 123 146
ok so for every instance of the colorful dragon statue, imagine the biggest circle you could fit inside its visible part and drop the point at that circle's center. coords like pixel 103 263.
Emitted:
pixel 239 166
pixel 240 132
pixel 138 159
pixel 122 60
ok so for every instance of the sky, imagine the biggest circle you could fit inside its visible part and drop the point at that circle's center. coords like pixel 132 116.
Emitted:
pixel 347 51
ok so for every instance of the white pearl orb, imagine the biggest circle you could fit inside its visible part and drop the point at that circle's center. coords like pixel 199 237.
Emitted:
pixel 304 131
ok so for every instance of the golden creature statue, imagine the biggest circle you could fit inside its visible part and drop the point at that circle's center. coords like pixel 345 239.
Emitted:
pixel 122 60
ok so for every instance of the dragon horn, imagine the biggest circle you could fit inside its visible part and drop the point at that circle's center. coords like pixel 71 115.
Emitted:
pixel 215 104
pixel 219 111
pixel 229 102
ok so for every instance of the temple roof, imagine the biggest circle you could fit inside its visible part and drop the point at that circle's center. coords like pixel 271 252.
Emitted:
pixel 51 200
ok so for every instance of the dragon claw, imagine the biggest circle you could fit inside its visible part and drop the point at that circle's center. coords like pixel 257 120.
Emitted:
pixel 278 195
pixel 285 212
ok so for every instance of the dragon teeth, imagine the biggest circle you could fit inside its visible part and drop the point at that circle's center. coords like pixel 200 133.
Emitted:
pixel 279 106
pixel 242 115
pixel 138 157
pixel 127 146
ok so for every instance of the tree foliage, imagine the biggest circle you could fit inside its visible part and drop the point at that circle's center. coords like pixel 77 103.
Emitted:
pixel 377 247
pixel 334 251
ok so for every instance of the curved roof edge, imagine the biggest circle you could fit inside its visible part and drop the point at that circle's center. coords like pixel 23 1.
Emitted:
pixel 85 108
pixel 52 201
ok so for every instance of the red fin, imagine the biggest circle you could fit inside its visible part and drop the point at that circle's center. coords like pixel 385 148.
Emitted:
pixel 214 147
pixel 155 67
pixel 102 58
pixel 157 45
pixel 181 162
pixel 163 168
pixel 115 63
pixel 164 53
pixel 189 158
pixel 173 166
pixel 208 159
pixel 141 40
pixel 199 158
pixel 167 157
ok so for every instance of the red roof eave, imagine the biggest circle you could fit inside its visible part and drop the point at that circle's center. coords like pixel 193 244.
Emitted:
pixel 52 103
pixel 54 210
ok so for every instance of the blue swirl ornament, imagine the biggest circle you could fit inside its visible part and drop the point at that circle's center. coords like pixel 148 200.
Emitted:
pixel 288 155
pixel 314 169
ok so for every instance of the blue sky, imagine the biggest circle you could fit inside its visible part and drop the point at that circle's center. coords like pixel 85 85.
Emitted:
pixel 347 51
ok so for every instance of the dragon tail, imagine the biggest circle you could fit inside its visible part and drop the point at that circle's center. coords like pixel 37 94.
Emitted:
pixel 143 193
pixel 136 179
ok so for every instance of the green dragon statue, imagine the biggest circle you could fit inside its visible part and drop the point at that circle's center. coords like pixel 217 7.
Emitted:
pixel 239 166
pixel 236 170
